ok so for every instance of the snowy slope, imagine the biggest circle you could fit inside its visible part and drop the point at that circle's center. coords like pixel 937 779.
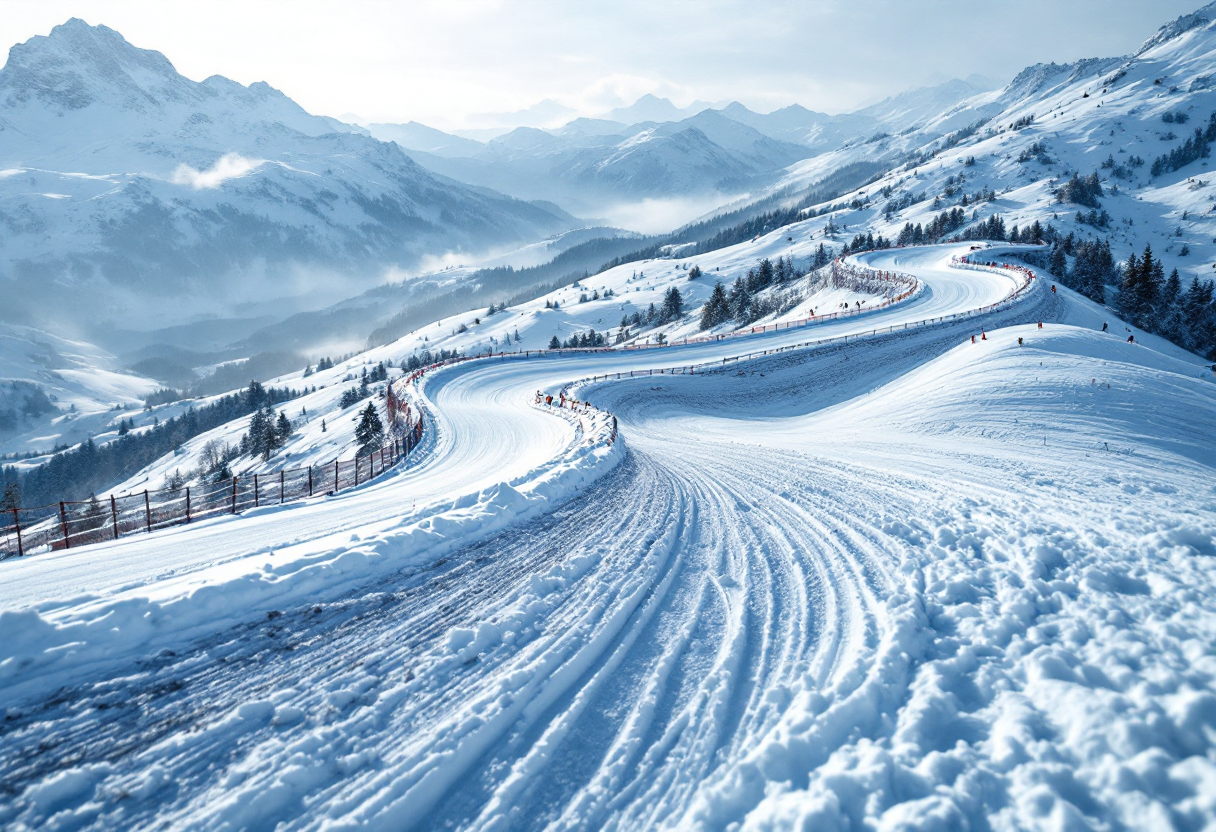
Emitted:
pixel 1083 114
pixel 528 326
pixel 864 595
pixel 87 387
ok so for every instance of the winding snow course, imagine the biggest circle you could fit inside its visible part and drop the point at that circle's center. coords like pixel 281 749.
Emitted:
pixel 825 589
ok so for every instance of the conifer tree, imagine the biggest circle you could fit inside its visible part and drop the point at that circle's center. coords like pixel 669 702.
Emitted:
pixel 673 306
pixel 369 432
pixel 740 301
pixel 716 309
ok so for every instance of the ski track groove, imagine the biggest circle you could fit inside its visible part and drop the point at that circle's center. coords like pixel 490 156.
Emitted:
pixel 646 645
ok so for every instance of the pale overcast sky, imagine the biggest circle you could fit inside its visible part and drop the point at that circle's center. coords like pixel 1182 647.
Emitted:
pixel 444 63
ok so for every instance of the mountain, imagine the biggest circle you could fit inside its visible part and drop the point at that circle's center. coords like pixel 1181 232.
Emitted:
pixel 917 106
pixel 653 108
pixel 130 193
pixel 1135 132
pixel 591 163
pixel 415 136
pixel 824 133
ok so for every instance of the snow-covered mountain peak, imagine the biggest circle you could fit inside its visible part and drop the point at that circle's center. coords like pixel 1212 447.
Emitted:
pixel 77 65
pixel 1182 25
pixel 207 188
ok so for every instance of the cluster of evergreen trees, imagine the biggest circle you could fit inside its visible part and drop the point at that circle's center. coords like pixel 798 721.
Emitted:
pixel 1122 171
pixel 354 395
pixel 670 310
pixel 427 358
pixel 76 473
pixel 944 223
pixel 992 228
pixel 1093 268
pixel 821 258
pixel 1037 151
pixel 743 303
pixel 20 400
pixel 163 395
pixel 1081 191
pixel 1145 297
pixel 325 363
pixel 266 433
pixel 579 340
pixel 866 242
pixel 1160 305
pixel 1195 147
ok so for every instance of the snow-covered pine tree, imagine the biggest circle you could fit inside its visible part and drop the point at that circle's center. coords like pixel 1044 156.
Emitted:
pixel 673 306
pixel 369 432
pixel 716 309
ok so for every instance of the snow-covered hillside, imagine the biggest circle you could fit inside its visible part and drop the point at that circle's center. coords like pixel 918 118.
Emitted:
pixel 194 198
pixel 1112 117
pixel 937 558
pixel 916 581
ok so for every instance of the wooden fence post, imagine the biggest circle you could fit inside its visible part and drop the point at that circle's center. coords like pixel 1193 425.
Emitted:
pixel 281 476
pixel 187 504
pixel 255 491
pixel 234 493
pixel 63 520
pixel 309 480
pixel 114 514
pixel 335 476
pixel 17 523
pixel 147 511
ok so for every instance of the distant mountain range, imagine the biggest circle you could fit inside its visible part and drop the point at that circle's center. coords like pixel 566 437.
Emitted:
pixel 130 193
pixel 653 149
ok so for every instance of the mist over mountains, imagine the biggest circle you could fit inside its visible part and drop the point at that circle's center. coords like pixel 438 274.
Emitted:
pixel 654 150
pixel 156 229
pixel 129 191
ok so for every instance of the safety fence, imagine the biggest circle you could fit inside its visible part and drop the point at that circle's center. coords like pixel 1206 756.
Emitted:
pixel 70 524
pixel 841 275
pixel 562 401
pixel 1024 277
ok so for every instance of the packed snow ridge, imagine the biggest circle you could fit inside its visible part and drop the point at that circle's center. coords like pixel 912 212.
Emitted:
pixel 907 581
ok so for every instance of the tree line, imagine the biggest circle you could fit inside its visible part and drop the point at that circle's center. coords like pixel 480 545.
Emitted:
pixel 88 468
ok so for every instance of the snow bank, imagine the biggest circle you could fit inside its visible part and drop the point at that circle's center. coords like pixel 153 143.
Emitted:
pixel 43 650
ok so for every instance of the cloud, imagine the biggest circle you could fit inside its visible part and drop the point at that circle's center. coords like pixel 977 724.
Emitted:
pixel 229 166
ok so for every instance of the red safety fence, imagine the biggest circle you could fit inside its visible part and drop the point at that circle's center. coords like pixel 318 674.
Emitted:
pixel 1025 276
pixel 25 531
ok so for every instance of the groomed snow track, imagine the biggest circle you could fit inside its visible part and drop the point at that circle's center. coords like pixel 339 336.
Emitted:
pixel 776 609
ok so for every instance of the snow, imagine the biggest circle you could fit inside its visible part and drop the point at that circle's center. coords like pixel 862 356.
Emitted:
pixel 866 573
pixel 911 582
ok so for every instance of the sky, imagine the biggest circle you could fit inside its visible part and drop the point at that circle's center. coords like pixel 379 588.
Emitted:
pixel 457 63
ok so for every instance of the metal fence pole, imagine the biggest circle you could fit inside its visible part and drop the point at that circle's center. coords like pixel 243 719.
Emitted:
pixel 63 520
pixel 17 524
pixel 335 476
pixel 114 514
pixel 147 511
